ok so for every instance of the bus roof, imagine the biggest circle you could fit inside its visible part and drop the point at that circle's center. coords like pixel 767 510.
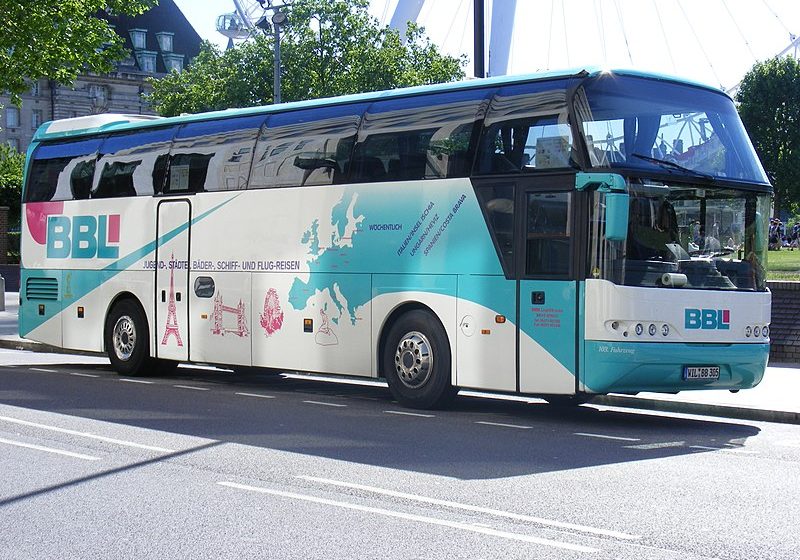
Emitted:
pixel 94 124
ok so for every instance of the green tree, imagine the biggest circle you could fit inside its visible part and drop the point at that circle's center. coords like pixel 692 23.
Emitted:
pixel 328 48
pixel 58 39
pixel 769 104
pixel 11 165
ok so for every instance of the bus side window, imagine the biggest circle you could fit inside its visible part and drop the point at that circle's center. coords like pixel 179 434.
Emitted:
pixel 58 167
pixel 308 147
pixel 422 137
pixel 127 162
pixel 212 155
pixel 547 234
pixel 526 129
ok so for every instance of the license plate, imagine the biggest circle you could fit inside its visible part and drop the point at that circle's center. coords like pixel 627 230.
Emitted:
pixel 701 372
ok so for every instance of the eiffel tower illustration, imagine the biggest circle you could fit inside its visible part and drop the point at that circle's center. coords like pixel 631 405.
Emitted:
pixel 172 317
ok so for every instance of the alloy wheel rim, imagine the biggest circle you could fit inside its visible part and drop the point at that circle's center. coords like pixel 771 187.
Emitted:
pixel 413 360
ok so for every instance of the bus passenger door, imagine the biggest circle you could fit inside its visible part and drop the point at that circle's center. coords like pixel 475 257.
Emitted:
pixel 548 297
pixel 171 340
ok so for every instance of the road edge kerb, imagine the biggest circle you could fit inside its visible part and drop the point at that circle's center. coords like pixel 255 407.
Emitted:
pixel 32 346
pixel 717 410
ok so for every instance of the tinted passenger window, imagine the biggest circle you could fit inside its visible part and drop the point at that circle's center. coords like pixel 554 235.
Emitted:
pixel 129 163
pixel 62 171
pixel 213 155
pixel 498 203
pixel 547 234
pixel 423 137
pixel 308 147
pixel 527 129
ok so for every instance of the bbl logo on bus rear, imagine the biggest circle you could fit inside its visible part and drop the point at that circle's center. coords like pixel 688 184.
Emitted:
pixel 83 237
pixel 719 319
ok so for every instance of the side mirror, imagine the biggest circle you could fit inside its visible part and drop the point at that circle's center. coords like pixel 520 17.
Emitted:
pixel 617 205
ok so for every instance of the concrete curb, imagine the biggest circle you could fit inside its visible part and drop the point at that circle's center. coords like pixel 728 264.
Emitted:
pixel 704 409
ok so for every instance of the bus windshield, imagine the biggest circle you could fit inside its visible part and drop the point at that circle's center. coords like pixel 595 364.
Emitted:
pixel 654 125
pixel 688 236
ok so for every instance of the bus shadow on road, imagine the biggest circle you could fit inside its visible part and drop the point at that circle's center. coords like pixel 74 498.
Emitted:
pixel 476 438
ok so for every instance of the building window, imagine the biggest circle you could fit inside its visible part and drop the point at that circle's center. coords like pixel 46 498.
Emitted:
pixel 139 38
pixel 13 143
pixel 173 62
pixel 165 41
pixel 147 61
pixel 35 91
pixel 36 118
pixel 98 96
pixel 12 117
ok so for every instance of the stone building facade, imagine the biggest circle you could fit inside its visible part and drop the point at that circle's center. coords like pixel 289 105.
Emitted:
pixel 158 41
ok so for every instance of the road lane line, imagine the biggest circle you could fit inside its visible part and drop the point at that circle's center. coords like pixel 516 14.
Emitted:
pixel 50 450
pixel 44 370
pixel 504 425
pixel 603 436
pixel 85 434
pixel 192 387
pixel 404 413
pixel 255 395
pixel 326 404
pixel 662 445
pixel 142 381
pixel 476 509
pixel 76 374
pixel 415 518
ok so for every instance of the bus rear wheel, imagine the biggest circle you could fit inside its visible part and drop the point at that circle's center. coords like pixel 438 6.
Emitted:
pixel 417 360
pixel 127 339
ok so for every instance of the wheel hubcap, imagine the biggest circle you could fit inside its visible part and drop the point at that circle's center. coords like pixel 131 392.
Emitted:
pixel 124 338
pixel 413 360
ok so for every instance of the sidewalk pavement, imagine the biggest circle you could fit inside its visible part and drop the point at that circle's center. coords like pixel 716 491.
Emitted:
pixel 775 399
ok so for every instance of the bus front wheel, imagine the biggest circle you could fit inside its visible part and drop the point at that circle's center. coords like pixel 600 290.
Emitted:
pixel 416 361
pixel 127 339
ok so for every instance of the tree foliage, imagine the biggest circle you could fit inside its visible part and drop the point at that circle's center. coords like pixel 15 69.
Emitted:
pixel 328 48
pixel 11 166
pixel 58 39
pixel 769 104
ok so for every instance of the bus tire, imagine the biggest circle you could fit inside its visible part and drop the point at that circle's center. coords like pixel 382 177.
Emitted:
pixel 127 339
pixel 417 361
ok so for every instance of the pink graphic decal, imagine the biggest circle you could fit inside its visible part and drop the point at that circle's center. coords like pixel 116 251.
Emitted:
pixel 325 335
pixel 272 318
pixel 36 214
pixel 171 327
pixel 219 328
pixel 113 228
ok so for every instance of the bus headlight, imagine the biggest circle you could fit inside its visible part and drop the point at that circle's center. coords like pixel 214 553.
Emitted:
pixel 748 331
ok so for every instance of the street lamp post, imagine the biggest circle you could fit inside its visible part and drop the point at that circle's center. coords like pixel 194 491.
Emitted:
pixel 278 20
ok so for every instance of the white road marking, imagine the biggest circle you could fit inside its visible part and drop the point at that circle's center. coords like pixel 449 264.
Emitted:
pixel 85 434
pixel 192 387
pixel 76 374
pixel 728 449
pixel 662 445
pixel 504 425
pixel 44 370
pixel 705 448
pixel 326 404
pixel 50 450
pixel 415 518
pixel 404 413
pixel 142 381
pixel 603 436
pixel 255 395
pixel 477 509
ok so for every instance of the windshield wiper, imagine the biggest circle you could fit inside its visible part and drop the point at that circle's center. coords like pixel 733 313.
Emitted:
pixel 672 165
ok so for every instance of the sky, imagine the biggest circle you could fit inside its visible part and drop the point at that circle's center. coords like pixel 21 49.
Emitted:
pixel 710 41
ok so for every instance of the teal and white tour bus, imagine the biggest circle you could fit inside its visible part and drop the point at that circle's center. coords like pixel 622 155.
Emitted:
pixel 560 235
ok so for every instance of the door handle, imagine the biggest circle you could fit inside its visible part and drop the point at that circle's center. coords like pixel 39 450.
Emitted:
pixel 163 296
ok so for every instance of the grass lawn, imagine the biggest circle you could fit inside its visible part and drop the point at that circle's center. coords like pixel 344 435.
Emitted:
pixel 783 265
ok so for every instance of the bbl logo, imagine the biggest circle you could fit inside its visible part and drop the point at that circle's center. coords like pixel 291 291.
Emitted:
pixel 83 237
pixel 717 319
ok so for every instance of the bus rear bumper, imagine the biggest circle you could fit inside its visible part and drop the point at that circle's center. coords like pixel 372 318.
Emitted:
pixel 632 367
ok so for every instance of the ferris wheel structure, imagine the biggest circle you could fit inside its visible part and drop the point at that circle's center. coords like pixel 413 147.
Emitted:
pixel 240 24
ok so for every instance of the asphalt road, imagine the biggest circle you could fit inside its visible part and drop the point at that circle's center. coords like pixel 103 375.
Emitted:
pixel 206 464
